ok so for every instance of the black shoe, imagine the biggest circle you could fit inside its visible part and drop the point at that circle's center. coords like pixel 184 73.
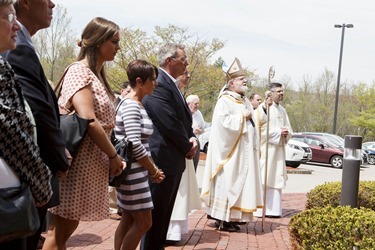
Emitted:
pixel 239 223
pixel 210 218
pixel 226 226
pixel 171 242
pixel 273 216
pixel 236 226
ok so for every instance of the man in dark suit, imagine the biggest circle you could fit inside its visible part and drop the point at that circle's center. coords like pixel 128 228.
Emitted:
pixel 33 16
pixel 172 141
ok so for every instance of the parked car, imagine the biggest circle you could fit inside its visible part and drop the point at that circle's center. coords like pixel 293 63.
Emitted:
pixel 369 149
pixel 339 141
pixel 296 152
pixel 323 150
pixel 369 145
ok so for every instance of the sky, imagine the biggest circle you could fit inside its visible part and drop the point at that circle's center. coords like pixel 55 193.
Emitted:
pixel 296 37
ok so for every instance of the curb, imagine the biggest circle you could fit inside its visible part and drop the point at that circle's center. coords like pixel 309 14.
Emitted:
pixel 290 170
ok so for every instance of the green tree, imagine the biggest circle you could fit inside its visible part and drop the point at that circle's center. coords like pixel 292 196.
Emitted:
pixel 364 116
pixel 206 79
pixel 55 45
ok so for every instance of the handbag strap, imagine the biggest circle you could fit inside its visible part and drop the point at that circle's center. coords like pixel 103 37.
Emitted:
pixel 119 104
pixel 59 84
pixel 59 87
pixel 113 136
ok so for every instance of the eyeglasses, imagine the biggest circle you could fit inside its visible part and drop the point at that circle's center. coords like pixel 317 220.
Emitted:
pixel 278 91
pixel 181 59
pixel 11 17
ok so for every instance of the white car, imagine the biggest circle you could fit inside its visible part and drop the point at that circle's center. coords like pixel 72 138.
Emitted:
pixel 296 152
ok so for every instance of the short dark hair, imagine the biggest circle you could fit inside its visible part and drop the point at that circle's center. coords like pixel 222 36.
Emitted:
pixel 253 95
pixel 275 85
pixel 141 69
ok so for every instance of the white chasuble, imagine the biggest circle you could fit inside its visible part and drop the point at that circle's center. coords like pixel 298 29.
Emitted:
pixel 231 188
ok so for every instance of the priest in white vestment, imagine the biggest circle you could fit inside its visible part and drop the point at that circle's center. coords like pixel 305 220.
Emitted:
pixel 231 188
pixel 279 133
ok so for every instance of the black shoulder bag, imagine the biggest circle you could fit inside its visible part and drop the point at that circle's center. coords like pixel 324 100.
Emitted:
pixel 73 127
pixel 124 148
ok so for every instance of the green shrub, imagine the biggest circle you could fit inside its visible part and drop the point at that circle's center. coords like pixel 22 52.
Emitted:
pixel 333 228
pixel 329 194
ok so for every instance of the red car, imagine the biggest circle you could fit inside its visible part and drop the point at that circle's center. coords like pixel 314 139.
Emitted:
pixel 323 150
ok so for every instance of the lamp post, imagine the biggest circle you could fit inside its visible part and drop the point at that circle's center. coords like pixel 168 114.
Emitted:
pixel 350 170
pixel 343 26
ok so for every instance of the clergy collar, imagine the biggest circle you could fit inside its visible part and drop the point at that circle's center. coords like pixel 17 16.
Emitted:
pixel 233 94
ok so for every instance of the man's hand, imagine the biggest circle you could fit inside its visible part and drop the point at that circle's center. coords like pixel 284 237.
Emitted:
pixel 247 113
pixel 268 101
pixel 284 131
pixel 193 149
pixel 198 131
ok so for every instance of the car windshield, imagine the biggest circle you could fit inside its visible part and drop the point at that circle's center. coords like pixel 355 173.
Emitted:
pixel 336 140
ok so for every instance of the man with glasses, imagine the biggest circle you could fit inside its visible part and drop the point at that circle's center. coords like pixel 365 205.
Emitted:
pixel 231 188
pixel 279 132
pixel 34 16
pixel 172 141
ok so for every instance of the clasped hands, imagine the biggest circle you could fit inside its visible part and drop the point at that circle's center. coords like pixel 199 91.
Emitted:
pixel 248 114
pixel 284 131
pixel 193 149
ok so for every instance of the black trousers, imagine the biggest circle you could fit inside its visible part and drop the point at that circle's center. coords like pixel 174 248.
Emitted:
pixel 163 197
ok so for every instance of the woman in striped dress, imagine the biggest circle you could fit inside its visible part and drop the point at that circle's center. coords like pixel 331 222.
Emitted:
pixel 132 121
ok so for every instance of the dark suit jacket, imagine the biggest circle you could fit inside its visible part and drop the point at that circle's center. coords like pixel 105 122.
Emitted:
pixel 172 121
pixel 43 103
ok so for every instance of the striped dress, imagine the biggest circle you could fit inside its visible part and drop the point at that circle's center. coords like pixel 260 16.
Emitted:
pixel 132 121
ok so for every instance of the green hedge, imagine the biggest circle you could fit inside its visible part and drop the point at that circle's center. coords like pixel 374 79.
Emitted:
pixel 329 194
pixel 333 228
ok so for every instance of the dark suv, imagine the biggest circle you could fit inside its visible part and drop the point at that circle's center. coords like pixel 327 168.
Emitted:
pixel 323 150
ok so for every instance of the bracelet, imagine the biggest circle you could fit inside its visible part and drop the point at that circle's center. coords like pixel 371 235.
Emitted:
pixel 113 157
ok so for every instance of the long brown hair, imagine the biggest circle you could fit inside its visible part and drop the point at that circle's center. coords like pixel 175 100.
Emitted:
pixel 96 32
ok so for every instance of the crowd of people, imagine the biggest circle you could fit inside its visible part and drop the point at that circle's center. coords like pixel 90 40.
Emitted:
pixel 160 190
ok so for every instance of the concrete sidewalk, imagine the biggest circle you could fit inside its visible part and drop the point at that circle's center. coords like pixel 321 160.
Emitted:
pixel 202 232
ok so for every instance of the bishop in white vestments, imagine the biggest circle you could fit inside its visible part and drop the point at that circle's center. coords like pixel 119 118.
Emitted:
pixel 231 188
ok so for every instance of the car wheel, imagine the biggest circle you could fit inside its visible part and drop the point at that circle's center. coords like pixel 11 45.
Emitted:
pixel 371 159
pixel 336 161
pixel 292 164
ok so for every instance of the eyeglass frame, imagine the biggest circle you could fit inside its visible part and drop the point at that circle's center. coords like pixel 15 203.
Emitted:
pixel 11 17
pixel 183 61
